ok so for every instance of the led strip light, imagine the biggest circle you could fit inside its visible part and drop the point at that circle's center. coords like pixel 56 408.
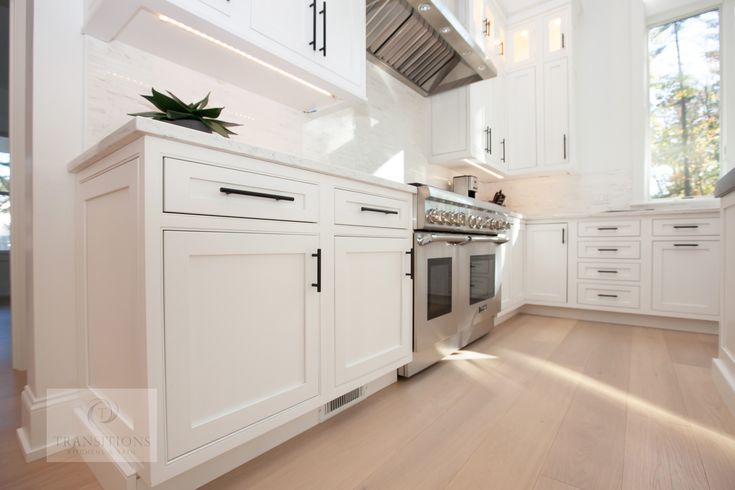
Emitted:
pixel 191 30
pixel 497 176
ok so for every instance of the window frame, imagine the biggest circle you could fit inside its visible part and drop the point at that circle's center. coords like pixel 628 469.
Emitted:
pixel 657 21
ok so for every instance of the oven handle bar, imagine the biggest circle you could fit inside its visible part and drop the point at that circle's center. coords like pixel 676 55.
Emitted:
pixel 460 239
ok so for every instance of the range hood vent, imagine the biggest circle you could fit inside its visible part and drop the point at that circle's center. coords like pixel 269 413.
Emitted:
pixel 422 44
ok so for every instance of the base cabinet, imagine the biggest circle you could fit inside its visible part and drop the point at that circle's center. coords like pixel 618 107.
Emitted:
pixel 371 271
pixel 546 263
pixel 241 328
pixel 686 277
pixel 513 265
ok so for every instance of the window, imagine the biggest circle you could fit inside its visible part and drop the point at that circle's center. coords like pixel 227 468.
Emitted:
pixel 684 105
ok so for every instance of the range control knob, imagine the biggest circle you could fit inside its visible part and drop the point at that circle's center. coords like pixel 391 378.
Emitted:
pixel 472 221
pixel 432 216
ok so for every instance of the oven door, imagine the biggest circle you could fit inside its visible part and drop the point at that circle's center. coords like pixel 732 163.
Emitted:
pixel 436 289
pixel 479 287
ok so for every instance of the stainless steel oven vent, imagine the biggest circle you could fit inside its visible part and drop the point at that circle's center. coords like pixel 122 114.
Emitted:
pixel 424 45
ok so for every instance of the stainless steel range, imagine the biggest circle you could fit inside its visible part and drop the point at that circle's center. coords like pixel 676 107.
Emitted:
pixel 456 276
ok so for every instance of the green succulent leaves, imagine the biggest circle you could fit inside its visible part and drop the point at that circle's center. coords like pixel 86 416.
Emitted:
pixel 174 109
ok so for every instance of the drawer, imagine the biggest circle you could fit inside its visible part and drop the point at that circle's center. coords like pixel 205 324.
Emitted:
pixel 686 227
pixel 609 228
pixel 361 209
pixel 198 188
pixel 608 295
pixel 609 250
pixel 609 271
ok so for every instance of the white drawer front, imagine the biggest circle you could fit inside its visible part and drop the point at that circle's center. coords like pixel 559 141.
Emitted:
pixel 609 228
pixel 609 271
pixel 197 188
pixel 608 295
pixel 686 227
pixel 609 250
pixel 360 209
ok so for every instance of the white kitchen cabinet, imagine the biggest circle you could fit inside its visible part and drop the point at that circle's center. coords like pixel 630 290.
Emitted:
pixel 686 277
pixel 372 271
pixel 486 24
pixel 522 141
pixel 513 263
pixel 556 113
pixel 524 44
pixel 556 36
pixel 236 304
pixel 468 123
pixel 546 263
pixel 304 54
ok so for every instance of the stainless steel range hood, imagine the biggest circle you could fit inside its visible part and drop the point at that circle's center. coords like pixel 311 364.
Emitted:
pixel 423 44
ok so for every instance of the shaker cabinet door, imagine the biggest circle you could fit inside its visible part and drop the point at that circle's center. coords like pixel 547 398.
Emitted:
pixel 241 331
pixel 546 263
pixel 373 306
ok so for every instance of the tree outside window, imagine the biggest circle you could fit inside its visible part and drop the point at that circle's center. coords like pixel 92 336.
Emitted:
pixel 684 95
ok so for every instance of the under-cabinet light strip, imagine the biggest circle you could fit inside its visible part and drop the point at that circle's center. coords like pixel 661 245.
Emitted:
pixel 497 176
pixel 213 40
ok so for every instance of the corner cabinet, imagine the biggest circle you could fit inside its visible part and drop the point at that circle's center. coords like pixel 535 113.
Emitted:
pixel 309 55
pixel 244 294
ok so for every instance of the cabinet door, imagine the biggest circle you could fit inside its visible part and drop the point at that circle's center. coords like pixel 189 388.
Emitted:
pixel 373 304
pixel 686 277
pixel 497 116
pixel 556 34
pixel 449 131
pixel 241 331
pixel 523 40
pixel 342 38
pixel 546 263
pixel 512 255
pixel 556 113
pixel 288 23
pixel 521 145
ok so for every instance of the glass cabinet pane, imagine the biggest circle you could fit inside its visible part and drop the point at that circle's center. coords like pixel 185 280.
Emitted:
pixel 439 290
pixel 521 46
pixel 482 278
pixel 555 34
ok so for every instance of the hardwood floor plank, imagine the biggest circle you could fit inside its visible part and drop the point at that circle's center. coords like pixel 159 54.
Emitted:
pixel 587 452
pixel 687 348
pixel 545 483
pixel 713 425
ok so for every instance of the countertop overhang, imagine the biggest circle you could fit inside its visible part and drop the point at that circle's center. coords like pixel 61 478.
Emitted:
pixel 726 184
pixel 140 127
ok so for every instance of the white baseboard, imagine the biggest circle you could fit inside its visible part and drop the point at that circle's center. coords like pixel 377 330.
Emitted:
pixel 723 373
pixel 666 323
pixel 34 412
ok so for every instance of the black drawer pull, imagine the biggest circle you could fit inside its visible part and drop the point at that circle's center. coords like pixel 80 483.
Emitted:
pixel 686 227
pixel 686 244
pixel 410 274
pixel 323 13
pixel 610 228
pixel 607 249
pixel 318 283
pixel 607 272
pixel 607 295
pixel 376 210
pixel 239 192
pixel 312 43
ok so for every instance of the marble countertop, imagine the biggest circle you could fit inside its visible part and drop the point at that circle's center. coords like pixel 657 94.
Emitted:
pixel 139 127
pixel 712 206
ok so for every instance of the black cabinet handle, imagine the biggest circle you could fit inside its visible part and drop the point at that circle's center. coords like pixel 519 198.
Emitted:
pixel 490 140
pixel 318 283
pixel 312 6
pixel 410 274
pixel 323 13
pixel 487 24
pixel 240 192
pixel 565 147
pixel 607 272
pixel 607 295
pixel 563 236
pixel 376 210
pixel 503 143
pixel 686 244
pixel 607 249
pixel 610 228
pixel 563 41
pixel 686 227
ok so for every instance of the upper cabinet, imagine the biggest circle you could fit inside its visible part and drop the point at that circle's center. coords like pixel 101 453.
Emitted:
pixel 306 54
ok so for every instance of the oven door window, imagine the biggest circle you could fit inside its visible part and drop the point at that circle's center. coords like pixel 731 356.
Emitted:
pixel 482 278
pixel 439 289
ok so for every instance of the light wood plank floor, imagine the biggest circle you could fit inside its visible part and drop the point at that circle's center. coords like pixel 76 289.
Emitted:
pixel 539 404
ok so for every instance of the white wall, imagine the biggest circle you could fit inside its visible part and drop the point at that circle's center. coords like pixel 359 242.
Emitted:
pixel 387 136
pixel 603 140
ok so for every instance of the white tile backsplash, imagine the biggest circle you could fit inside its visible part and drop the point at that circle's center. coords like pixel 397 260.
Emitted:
pixel 387 136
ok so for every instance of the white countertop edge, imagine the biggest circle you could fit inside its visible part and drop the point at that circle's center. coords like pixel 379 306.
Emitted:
pixel 633 213
pixel 139 127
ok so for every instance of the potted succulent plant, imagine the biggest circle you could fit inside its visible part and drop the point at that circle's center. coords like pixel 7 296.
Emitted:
pixel 194 116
